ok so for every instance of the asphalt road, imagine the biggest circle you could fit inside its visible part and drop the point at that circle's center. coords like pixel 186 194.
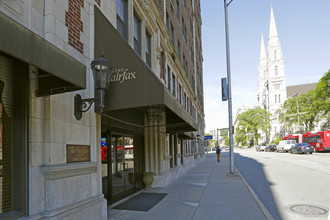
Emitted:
pixel 290 186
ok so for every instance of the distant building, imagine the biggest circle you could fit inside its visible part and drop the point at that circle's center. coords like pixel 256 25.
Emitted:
pixel 299 89
pixel 271 78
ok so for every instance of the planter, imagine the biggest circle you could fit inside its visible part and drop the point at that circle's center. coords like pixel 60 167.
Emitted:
pixel 148 178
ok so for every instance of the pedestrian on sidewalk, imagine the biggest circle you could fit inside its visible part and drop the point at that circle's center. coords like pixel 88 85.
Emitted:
pixel 218 153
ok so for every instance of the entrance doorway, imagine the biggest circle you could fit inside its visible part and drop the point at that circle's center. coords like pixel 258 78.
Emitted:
pixel 121 173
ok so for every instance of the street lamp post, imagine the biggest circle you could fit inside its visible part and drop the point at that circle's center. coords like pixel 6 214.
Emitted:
pixel 229 92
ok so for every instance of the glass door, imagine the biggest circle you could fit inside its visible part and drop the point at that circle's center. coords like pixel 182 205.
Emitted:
pixel 122 165
pixel 123 177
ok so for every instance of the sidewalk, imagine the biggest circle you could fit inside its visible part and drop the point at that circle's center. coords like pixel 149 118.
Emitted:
pixel 205 192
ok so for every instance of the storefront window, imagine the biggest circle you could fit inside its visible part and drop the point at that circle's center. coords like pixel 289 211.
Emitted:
pixel 5 135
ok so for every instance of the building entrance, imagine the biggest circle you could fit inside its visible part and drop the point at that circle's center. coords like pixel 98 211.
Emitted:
pixel 120 174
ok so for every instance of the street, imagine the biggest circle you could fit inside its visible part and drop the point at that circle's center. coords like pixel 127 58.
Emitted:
pixel 290 186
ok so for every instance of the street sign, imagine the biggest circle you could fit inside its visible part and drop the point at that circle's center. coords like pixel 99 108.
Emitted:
pixel 209 137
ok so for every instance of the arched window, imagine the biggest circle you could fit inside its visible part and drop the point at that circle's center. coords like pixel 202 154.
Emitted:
pixel 275 98
pixel 276 70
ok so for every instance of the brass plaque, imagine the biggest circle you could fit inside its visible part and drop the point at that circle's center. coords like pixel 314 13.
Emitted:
pixel 77 153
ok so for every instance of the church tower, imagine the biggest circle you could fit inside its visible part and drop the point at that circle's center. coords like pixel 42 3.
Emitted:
pixel 262 74
pixel 271 78
pixel 275 65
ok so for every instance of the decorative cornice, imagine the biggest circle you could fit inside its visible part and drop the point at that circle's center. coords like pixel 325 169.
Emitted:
pixel 62 171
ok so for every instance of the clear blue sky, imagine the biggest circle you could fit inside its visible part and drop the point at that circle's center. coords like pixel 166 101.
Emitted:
pixel 303 27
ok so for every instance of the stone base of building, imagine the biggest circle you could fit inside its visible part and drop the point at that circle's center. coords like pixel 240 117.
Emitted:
pixel 91 208
pixel 167 177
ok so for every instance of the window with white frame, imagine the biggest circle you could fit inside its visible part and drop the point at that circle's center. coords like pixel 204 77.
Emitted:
pixel 185 101
pixel 279 98
pixel 137 34
pixel 122 17
pixel 180 94
pixel 178 11
pixel 179 50
pixel 276 70
pixel 172 34
pixel 277 86
pixel 173 85
pixel 275 98
pixel 148 48
pixel 169 78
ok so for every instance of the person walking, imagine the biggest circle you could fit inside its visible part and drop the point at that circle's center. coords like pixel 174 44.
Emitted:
pixel 218 153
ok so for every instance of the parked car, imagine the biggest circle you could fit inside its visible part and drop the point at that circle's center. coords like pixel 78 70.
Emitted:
pixel 270 148
pixel 285 145
pixel 261 147
pixel 301 148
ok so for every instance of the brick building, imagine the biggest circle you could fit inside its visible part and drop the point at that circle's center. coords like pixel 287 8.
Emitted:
pixel 55 165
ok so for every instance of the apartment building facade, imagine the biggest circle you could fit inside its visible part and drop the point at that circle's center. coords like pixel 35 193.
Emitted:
pixel 56 166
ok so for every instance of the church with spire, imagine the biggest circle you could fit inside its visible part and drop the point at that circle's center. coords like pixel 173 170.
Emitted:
pixel 271 77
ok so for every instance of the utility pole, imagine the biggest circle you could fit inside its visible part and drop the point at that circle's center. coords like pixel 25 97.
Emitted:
pixel 231 158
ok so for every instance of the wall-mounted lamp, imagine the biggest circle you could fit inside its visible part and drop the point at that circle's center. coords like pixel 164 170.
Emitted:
pixel 102 70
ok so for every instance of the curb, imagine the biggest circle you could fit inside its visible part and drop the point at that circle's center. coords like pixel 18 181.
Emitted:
pixel 256 198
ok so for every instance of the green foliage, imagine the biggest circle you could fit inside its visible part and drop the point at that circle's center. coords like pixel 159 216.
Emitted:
pixel 250 122
pixel 311 105
pixel 322 97
pixel 277 141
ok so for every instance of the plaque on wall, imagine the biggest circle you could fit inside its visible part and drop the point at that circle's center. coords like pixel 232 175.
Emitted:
pixel 77 153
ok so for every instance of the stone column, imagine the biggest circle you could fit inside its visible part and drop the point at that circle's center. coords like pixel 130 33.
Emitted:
pixel 154 132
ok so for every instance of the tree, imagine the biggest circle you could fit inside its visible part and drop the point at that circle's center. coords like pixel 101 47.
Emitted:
pixel 322 98
pixel 314 105
pixel 288 114
pixel 240 137
pixel 252 121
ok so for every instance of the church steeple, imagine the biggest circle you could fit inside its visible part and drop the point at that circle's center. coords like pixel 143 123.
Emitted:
pixel 262 72
pixel 272 27
pixel 263 54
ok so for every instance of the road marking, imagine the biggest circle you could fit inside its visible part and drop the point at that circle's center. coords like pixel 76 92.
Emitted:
pixel 194 204
pixel 199 184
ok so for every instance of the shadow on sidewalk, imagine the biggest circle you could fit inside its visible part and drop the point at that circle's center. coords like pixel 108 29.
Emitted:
pixel 254 174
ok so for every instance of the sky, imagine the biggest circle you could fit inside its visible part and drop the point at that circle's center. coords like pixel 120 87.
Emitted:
pixel 303 27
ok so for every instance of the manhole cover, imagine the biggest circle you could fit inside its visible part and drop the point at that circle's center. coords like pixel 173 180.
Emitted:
pixel 308 210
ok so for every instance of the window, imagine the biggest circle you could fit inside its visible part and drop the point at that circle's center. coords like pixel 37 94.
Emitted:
pixel 169 78
pixel 179 50
pixel 184 61
pixel 173 85
pixel 185 101
pixel 276 70
pixel 148 49
pixel 167 21
pixel 180 94
pixel 137 34
pixel 13 136
pixel 172 34
pixel 279 98
pixel 277 86
pixel 122 18
pixel 275 98
pixel 178 11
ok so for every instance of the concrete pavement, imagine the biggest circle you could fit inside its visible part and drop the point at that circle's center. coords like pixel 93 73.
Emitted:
pixel 206 192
